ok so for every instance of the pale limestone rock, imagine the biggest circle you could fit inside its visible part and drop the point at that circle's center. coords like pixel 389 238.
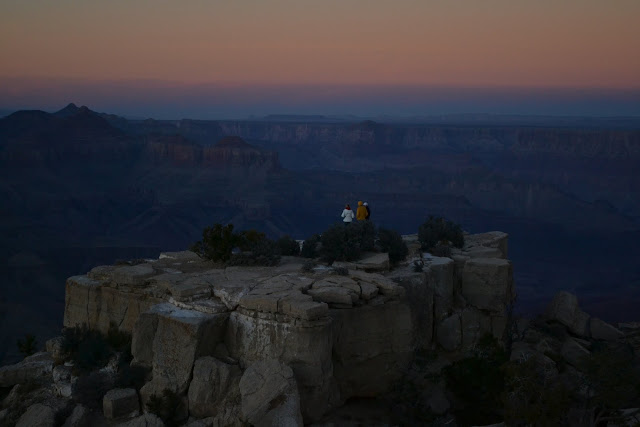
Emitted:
pixel 31 368
pixel 491 239
pixel 573 352
pixel 333 295
pixel 133 275
pixel 420 298
pixel 372 347
pixel 487 283
pixel 304 345
pixel 54 347
pixel 385 285
pixel 368 291
pixel 120 403
pixel 181 256
pixel 440 273
pixel 61 373
pixel 270 395
pixel 177 338
pixel 373 262
pixel 96 305
pixel 449 333
pixel 37 415
pixel 80 417
pixel 483 252
pixel 212 381
pixel 146 420
pixel 475 324
pixel 564 309
pixel 601 330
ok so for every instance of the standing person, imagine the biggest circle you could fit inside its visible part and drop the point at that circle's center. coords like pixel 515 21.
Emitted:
pixel 361 213
pixel 348 215
pixel 366 205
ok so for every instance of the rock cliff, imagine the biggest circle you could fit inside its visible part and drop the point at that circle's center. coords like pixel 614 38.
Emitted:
pixel 342 336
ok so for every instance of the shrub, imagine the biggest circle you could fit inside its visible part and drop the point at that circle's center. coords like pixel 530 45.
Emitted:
pixel 217 243
pixel 309 247
pixel 418 266
pixel 341 243
pixel 260 252
pixel 391 242
pixel 288 246
pixel 88 348
pixel 367 234
pixel 442 249
pixel 167 407
pixel 131 376
pixel 28 346
pixel 438 229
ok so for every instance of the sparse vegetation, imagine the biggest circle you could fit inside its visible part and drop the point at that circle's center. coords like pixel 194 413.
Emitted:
pixel 217 243
pixel 438 229
pixel 90 349
pixel 418 266
pixel 391 242
pixel 309 246
pixel 288 246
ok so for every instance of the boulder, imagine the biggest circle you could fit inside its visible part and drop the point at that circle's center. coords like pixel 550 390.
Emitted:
pixel 120 403
pixel 304 345
pixel 146 420
pixel 333 295
pixel 601 330
pixel 80 417
pixel 31 368
pixel 133 275
pixel 449 333
pixel 372 347
pixel 487 283
pixel 573 352
pixel 54 347
pixel 170 340
pixel 374 262
pixel 212 382
pixel 474 325
pixel 37 415
pixel 440 274
pixel 420 298
pixel 270 395
pixel 565 310
pixel 491 239
pixel 62 373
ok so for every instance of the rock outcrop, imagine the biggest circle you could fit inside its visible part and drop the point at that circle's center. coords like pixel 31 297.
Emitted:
pixel 200 328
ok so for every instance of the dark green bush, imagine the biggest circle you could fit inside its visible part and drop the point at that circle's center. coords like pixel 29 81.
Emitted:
pixel 260 252
pixel 131 376
pixel 441 249
pixel 309 246
pixel 367 233
pixel 288 246
pixel 28 346
pixel 218 242
pixel 391 242
pixel 118 340
pixel 341 243
pixel 167 407
pixel 88 348
pixel 439 229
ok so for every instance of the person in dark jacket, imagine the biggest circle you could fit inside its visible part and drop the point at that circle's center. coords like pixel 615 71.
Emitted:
pixel 366 205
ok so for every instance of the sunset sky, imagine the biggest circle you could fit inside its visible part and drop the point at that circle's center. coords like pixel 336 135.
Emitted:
pixel 215 59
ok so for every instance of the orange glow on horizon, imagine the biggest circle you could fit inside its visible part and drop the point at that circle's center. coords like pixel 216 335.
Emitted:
pixel 410 42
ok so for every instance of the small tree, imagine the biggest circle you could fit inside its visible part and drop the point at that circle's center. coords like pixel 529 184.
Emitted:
pixel 288 246
pixel 436 230
pixel 391 242
pixel 309 246
pixel 218 242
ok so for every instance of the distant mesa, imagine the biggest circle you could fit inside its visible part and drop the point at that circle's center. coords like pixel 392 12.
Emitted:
pixel 232 142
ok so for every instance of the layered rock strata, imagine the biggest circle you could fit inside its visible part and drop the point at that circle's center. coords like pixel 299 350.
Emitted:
pixel 199 328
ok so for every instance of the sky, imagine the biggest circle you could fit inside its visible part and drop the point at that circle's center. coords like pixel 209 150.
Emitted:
pixel 222 59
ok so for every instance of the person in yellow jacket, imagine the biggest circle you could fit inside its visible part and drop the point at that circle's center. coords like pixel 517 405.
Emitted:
pixel 361 213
